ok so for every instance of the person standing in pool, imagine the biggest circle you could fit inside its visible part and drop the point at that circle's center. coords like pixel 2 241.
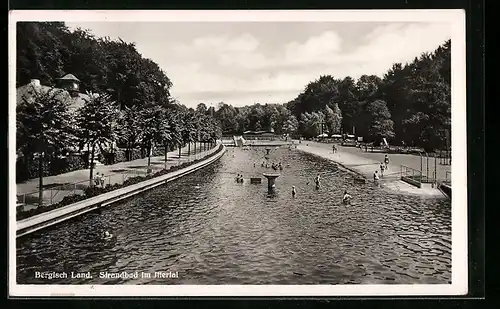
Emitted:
pixel 386 161
pixel 294 192
pixel 346 198
pixel 317 182
pixel 102 179
pixel 375 177
pixel 382 168
pixel 97 179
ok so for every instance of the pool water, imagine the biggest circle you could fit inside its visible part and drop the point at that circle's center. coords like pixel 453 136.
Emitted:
pixel 209 229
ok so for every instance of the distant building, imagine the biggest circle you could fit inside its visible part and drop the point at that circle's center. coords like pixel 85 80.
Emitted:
pixel 259 134
pixel 66 88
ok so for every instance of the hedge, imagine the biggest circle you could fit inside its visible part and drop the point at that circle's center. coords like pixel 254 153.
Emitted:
pixel 94 191
pixel 27 168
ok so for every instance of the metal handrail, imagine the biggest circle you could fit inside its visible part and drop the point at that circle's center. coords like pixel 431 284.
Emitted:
pixel 407 171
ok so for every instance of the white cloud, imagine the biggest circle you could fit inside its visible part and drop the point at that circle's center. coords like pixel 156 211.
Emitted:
pixel 324 46
pixel 242 63
pixel 278 69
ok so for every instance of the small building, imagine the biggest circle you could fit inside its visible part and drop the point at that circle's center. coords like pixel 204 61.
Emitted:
pixel 265 135
pixel 66 88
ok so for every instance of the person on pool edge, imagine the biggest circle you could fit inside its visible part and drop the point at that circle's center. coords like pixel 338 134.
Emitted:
pixel 346 198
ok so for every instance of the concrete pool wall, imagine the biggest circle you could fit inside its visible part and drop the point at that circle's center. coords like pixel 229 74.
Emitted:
pixel 43 220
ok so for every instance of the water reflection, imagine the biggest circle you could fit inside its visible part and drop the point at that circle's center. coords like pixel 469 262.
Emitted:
pixel 213 230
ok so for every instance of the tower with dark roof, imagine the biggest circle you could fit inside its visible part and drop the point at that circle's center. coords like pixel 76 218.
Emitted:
pixel 70 83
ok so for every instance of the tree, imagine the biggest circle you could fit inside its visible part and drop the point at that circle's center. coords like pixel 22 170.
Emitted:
pixel 316 96
pixel 380 124
pixel 242 120
pixel 226 114
pixel 40 51
pixel 282 116
pixel 348 103
pixel 152 125
pixel 129 123
pixel 170 132
pixel 310 123
pixel 333 119
pixel 429 113
pixel 97 123
pixel 202 108
pixel 395 90
pixel 188 131
pixel 255 115
pixel 270 117
pixel 45 126
pixel 291 125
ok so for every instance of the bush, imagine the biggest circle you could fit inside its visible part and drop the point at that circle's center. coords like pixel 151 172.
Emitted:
pixel 120 156
pixel 27 168
pixel 135 154
pixel 94 190
pixel 159 151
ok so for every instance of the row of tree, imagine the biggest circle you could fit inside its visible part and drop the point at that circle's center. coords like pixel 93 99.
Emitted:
pixel 128 101
pixel 411 104
pixel 47 127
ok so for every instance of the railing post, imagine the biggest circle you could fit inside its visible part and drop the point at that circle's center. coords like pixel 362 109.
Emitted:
pixel 420 160
pixel 427 167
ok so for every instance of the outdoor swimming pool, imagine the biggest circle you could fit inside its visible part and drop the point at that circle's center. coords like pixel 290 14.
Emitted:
pixel 212 230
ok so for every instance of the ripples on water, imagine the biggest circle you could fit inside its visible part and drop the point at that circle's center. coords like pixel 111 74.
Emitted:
pixel 212 230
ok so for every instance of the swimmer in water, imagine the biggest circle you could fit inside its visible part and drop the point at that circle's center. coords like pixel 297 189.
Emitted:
pixel 347 198
pixel 108 235
pixel 294 192
pixel 317 182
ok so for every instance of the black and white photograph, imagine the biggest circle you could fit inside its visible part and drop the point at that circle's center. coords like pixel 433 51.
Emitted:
pixel 237 153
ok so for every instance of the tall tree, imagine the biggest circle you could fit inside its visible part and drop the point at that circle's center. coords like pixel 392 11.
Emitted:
pixel 153 122
pixel 333 119
pixel 97 124
pixel 45 126
pixel 291 125
pixel 40 51
pixel 348 103
pixel 202 108
pixel 310 123
pixel 380 124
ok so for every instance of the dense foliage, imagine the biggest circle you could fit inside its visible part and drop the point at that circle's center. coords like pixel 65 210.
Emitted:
pixel 410 104
pixel 129 101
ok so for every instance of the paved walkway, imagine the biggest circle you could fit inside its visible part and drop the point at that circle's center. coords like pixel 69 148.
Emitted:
pixel 366 163
pixel 74 182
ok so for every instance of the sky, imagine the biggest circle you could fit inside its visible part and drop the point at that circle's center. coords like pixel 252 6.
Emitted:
pixel 241 63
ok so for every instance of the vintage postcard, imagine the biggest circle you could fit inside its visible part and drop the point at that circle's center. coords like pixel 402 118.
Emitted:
pixel 237 153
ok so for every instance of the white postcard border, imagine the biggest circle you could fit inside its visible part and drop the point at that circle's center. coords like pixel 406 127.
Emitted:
pixel 459 273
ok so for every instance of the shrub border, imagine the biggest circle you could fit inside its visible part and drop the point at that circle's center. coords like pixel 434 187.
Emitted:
pixel 94 191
